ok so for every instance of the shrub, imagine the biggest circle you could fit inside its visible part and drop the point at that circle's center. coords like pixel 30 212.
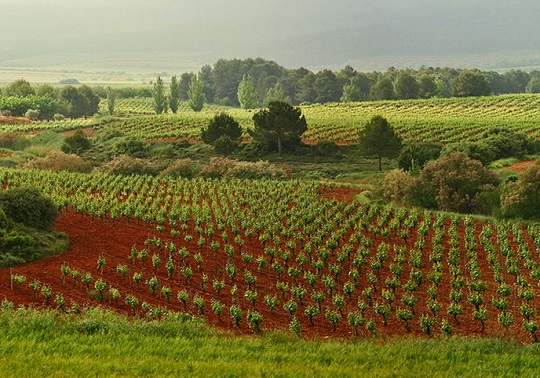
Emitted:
pixel 76 143
pixel 522 198
pixel 223 133
pixel 326 148
pixel 185 168
pixel 130 146
pixel 29 207
pixel 397 186
pixel 415 156
pixel 457 183
pixel 224 167
pixel 127 165
pixel 59 161
pixel 494 145
pixel 32 114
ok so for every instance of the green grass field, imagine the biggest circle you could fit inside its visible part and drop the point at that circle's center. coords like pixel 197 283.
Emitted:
pixel 100 344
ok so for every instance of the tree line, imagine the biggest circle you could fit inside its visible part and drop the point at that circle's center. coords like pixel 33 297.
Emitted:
pixel 251 82
pixel 20 99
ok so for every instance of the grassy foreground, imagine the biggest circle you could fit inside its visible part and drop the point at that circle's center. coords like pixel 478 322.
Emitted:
pixel 101 344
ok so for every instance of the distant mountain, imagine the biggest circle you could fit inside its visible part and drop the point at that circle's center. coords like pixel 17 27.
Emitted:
pixel 368 34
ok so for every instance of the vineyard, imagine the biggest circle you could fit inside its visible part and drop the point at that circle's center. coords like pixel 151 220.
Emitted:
pixel 303 257
pixel 444 120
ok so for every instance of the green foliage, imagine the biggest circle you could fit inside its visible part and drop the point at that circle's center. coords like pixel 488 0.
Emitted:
pixel 279 126
pixel 79 102
pixel 19 88
pixel 413 157
pixel 77 143
pixel 274 93
pixel 225 167
pixel 456 183
pixel 174 94
pixel 496 144
pixel 158 94
pixel 127 165
pixel 357 89
pixel 111 100
pixel 59 161
pixel 382 90
pixel 379 138
pixel 185 168
pixel 406 86
pixel 29 207
pixel 470 83
pixel 247 96
pixel 130 146
pixel 196 94
pixel 18 106
pixel 222 125
pixel 32 114
pixel 522 198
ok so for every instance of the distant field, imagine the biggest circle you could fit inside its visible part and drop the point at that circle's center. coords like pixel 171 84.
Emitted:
pixel 100 69
pixel 434 120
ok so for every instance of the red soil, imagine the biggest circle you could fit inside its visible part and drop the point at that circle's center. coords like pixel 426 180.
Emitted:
pixel 114 239
pixel 88 132
pixel 520 166
pixel 4 119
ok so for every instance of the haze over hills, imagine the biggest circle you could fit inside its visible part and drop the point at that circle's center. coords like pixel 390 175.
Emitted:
pixel 182 35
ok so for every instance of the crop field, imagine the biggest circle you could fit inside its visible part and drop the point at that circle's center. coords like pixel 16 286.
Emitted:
pixel 304 257
pixel 447 120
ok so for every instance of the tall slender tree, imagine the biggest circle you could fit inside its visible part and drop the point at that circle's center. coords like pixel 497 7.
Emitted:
pixel 160 99
pixel 196 94
pixel 247 95
pixel 174 94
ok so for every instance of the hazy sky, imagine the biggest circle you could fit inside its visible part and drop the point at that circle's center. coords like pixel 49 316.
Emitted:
pixel 291 32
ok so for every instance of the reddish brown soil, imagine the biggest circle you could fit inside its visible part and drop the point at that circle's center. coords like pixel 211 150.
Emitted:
pixel 4 119
pixel 115 239
pixel 520 166
pixel 88 132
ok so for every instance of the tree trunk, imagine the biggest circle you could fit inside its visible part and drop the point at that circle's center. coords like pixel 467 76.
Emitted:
pixel 380 163
pixel 279 146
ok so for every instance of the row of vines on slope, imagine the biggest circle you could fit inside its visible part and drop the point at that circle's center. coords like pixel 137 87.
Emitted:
pixel 279 254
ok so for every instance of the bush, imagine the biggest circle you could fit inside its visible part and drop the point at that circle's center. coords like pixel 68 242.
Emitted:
pixel 29 207
pixel 58 117
pixel 59 161
pixel 398 186
pixel 224 167
pixel 522 198
pixel 415 156
pixel 32 114
pixel 131 146
pixel 326 148
pixel 184 168
pixel 223 132
pixel 457 183
pixel 127 165
pixel 496 144
pixel 76 143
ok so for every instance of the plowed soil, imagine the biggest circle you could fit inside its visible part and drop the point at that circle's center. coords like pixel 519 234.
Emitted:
pixel 91 237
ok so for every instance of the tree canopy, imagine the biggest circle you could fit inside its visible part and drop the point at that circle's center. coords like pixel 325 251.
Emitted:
pixel 522 198
pixel 279 126
pixel 160 99
pixel 379 138
pixel 223 132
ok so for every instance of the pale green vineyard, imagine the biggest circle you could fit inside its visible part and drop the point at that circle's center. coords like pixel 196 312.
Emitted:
pixel 433 120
